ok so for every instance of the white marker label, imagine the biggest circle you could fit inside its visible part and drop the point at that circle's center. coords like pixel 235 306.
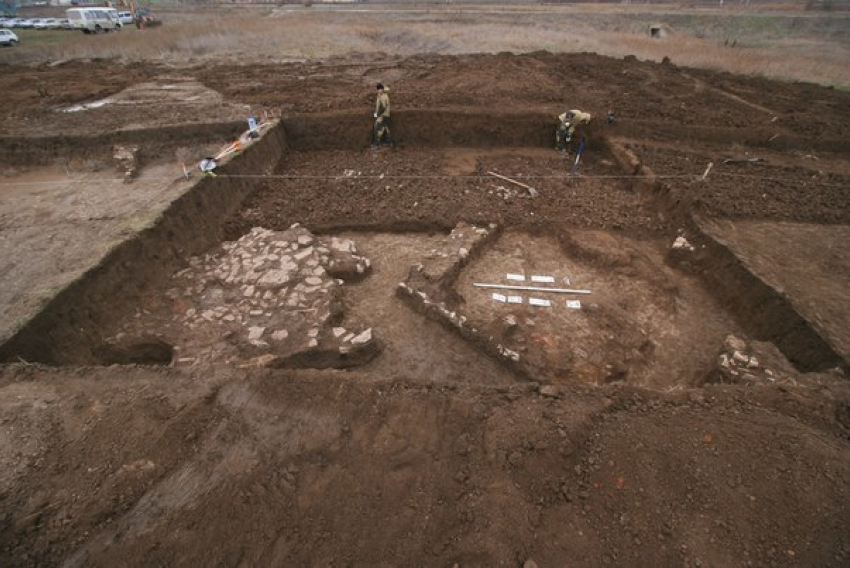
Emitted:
pixel 499 297
pixel 550 279
pixel 517 277
pixel 539 302
pixel 574 304
pixel 514 299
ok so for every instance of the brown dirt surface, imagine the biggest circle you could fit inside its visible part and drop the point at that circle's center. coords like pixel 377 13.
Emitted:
pixel 606 441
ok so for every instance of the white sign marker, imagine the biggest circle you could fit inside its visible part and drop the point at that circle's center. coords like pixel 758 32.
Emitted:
pixel 499 297
pixel 550 279
pixel 517 277
pixel 514 299
pixel 574 304
pixel 539 302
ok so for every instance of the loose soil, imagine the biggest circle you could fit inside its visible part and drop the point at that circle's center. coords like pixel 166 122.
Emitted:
pixel 612 438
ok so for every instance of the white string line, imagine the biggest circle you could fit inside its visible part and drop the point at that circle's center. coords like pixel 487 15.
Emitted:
pixel 694 177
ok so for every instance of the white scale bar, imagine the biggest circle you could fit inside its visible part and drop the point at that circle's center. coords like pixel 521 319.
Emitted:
pixel 531 288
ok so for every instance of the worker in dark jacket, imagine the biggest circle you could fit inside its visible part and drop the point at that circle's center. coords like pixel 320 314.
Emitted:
pixel 381 131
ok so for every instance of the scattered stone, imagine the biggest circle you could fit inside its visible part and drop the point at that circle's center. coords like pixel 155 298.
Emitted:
pixel 362 337
pixel 273 279
pixel 301 255
pixel 732 343
pixel 681 243
pixel 550 391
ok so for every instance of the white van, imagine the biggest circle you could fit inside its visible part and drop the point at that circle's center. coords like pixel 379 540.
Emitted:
pixel 93 20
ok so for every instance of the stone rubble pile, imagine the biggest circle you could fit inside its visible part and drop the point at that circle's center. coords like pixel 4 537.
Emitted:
pixel 126 160
pixel 738 364
pixel 277 293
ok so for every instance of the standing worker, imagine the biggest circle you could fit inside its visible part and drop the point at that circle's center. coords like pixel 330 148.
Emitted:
pixel 567 126
pixel 381 130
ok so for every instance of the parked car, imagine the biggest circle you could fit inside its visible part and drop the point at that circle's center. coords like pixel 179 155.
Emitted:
pixel 94 20
pixel 8 38
pixel 41 24
pixel 64 24
pixel 125 17
pixel 26 24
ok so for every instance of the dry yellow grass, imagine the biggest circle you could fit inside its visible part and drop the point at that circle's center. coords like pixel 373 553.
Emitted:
pixel 805 47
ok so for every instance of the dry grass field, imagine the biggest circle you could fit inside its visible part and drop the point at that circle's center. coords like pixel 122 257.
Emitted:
pixel 785 42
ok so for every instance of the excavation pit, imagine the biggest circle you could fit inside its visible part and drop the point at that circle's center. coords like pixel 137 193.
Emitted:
pixel 582 221
pixel 478 458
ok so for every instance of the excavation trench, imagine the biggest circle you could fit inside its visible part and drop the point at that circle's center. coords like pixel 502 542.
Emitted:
pixel 162 296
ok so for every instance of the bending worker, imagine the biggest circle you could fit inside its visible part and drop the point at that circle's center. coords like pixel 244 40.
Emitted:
pixel 381 130
pixel 567 127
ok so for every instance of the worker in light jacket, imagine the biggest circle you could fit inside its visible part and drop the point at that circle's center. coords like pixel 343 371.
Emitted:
pixel 381 131
pixel 567 124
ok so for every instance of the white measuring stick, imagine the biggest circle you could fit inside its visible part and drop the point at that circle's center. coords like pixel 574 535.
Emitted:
pixel 532 288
